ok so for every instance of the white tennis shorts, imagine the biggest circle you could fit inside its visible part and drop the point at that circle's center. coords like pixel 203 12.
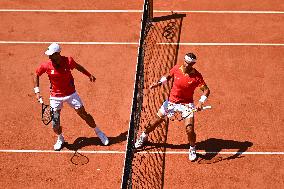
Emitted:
pixel 73 100
pixel 169 109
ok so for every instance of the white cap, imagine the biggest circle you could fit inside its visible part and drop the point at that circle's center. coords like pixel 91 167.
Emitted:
pixel 53 48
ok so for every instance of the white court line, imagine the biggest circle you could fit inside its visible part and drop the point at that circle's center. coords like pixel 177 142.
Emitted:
pixel 221 12
pixel 140 11
pixel 62 151
pixel 70 43
pixel 224 44
pixel 72 11
pixel 142 152
pixel 136 43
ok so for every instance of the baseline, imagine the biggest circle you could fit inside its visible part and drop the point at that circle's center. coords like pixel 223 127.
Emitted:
pixel 142 152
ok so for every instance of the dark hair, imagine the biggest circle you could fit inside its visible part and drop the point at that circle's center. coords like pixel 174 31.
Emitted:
pixel 191 55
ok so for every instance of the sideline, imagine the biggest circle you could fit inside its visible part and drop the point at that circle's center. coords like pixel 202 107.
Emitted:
pixel 142 152
pixel 140 11
pixel 136 43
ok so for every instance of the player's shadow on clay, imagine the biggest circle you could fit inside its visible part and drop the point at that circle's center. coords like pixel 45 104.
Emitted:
pixel 81 142
pixel 212 147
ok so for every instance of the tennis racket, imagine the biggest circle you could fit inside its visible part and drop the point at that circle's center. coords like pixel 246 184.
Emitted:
pixel 178 115
pixel 46 112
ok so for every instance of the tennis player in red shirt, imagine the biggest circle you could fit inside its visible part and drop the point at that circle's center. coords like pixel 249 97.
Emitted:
pixel 62 89
pixel 186 80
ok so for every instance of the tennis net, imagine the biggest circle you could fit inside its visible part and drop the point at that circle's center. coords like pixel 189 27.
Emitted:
pixel 145 168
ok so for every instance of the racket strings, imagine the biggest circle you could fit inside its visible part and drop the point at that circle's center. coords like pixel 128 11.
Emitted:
pixel 47 114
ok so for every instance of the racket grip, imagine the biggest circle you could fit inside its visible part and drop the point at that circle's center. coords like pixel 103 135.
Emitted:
pixel 40 100
pixel 206 107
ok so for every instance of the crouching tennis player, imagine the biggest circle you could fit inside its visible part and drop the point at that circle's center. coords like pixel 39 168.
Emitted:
pixel 186 80
pixel 62 90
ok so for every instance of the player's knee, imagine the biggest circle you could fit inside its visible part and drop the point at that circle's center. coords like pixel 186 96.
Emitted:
pixel 55 120
pixel 160 115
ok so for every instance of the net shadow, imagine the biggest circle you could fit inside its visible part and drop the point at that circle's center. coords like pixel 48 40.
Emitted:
pixel 147 167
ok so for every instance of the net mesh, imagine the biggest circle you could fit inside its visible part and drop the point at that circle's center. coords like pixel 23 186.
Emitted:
pixel 145 168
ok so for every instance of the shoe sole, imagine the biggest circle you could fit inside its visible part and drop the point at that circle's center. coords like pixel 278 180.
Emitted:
pixel 106 143
pixel 60 147
pixel 105 139
pixel 194 158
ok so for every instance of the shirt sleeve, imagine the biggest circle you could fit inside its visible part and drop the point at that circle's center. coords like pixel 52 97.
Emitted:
pixel 41 69
pixel 72 63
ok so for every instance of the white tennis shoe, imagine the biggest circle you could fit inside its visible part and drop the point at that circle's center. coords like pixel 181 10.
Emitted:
pixel 103 138
pixel 59 144
pixel 141 140
pixel 192 154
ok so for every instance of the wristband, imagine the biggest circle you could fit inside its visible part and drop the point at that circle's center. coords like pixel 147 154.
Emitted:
pixel 36 89
pixel 202 98
pixel 163 80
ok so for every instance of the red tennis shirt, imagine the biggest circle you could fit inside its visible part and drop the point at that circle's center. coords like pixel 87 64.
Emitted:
pixel 61 79
pixel 184 85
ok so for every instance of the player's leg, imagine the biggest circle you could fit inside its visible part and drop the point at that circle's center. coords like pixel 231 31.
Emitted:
pixel 88 118
pixel 151 126
pixel 75 102
pixel 56 122
pixel 161 114
pixel 189 125
pixel 56 104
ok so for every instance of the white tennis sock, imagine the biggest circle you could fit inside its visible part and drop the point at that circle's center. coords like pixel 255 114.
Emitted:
pixel 60 137
pixel 192 147
pixel 97 130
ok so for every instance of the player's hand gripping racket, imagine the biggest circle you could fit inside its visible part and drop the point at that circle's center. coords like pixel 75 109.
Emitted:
pixel 46 112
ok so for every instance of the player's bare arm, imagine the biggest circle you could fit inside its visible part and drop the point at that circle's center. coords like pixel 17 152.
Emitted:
pixel 206 92
pixel 80 68
pixel 36 87
pixel 163 79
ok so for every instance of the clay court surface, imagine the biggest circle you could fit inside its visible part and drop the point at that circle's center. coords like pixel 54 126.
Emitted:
pixel 240 55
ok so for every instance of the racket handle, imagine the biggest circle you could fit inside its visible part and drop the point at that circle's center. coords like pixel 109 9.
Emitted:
pixel 206 107
pixel 40 100
pixel 203 108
